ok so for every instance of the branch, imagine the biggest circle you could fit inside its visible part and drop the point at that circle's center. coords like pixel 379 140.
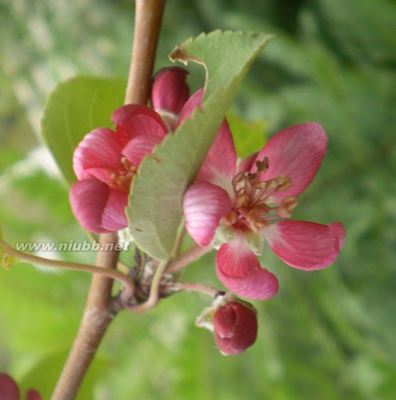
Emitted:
pixel 57 264
pixel 97 313
pixel 154 290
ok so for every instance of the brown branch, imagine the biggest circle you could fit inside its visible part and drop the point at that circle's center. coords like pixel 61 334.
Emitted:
pixel 97 313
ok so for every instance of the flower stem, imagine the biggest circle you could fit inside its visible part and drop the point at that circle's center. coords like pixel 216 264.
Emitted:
pixel 97 312
pixel 187 258
pixel 195 287
pixel 107 272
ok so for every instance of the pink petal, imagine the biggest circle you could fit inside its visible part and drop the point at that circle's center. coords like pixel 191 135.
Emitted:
pixel 219 166
pixel 305 245
pixel 247 163
pixel 204 205
pixel 295 152
pixel 240 271
pixel 8 388
pixel 139 147
pixel 114 217
pixel 191 104
pixel 97 207
pixel 133 120
pixel 99 149
pixel 170 90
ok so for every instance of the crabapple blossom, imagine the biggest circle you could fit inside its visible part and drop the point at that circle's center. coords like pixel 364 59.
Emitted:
pixel 105 163
pixel 237 207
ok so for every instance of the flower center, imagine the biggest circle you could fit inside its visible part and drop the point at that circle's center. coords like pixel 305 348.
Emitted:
pixel 254 207
pixel 121 179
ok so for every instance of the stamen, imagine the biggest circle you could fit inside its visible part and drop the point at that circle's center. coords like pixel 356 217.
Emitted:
pixel 253 207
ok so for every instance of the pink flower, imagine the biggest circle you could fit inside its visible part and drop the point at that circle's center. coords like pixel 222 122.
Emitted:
pixel 105 163
pixel 237 207
pixel 9 390
pixel 235 327
pixel 169 93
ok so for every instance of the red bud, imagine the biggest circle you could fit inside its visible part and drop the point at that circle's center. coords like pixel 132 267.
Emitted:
pixel 235 327
pixel 32 394
pixel 170 90
pixel 8 388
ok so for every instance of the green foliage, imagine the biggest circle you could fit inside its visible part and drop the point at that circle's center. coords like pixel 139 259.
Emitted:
pixel 249 136
pixel 75 108
pixel 154 210
pixel 327 335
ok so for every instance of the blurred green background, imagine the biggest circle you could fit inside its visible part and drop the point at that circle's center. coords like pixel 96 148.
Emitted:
pixel 327 335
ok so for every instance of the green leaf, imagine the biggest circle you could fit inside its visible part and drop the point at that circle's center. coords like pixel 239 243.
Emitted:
pixel 155 204
pixel 249 136
pixel 74 108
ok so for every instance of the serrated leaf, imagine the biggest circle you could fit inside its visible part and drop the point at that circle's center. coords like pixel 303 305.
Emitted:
pixel 249 136
pixel 74 108
pixel 155 206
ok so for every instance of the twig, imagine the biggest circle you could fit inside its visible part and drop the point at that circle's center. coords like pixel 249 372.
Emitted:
pixel 107 272
pixel 154 290
pixel 97 313
pixel 187 258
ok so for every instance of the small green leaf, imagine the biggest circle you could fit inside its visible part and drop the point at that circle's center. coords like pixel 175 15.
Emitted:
pixel 155 204
pixel 74 108
pixel 249 136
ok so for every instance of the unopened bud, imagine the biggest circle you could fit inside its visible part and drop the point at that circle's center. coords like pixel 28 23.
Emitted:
pixel 169 91
pixel 8 388
pixel 235 327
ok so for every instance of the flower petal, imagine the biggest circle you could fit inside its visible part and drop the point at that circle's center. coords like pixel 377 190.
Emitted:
pixel 133 120
pixel 219 166
pixel 247 163
pixel 240 271
pixel 191 104
pixel 100 149
pixel 97 207
pixel 114 217
pixel 204 205
pixel 170 90
pixel 295 152
pixel 305 245
pixel 139 147
pixel 8 388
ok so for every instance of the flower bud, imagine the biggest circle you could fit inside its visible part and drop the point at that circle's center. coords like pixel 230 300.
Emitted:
pixel 235 327
pixel 32 394
pixel 170 90
pixel 8 388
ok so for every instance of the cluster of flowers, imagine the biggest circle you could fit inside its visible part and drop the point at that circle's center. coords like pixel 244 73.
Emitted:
pixel 233 205
pixel 9 390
